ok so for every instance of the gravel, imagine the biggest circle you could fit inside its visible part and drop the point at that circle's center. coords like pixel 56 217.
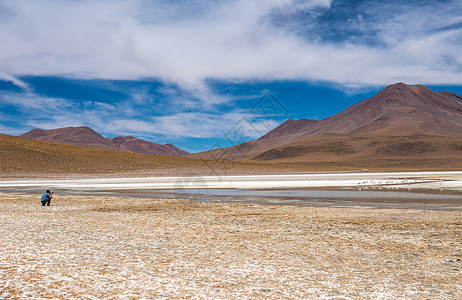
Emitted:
pixel 107 247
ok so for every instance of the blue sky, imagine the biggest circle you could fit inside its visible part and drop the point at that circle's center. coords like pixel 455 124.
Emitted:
pixel 188 72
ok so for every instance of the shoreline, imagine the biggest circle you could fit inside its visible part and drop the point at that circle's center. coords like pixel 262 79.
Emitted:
pixel 403 190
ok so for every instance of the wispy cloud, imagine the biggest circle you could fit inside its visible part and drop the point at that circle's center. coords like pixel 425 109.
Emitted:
pixel 30 103
pixel 16 81
pixel 127 117
pixel 187 42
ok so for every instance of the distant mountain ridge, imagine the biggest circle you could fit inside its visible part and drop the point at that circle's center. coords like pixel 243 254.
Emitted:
pixel 85 136
pixel 132 144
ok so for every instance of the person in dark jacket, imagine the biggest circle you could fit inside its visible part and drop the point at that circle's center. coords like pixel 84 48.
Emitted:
pixel 46 198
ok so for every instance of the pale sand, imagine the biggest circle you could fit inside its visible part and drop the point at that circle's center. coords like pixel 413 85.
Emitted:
pixel 114 247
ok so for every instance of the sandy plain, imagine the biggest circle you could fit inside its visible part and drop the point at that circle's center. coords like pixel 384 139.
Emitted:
pixel 113 247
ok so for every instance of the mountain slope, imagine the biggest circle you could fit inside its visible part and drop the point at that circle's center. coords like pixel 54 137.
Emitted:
pixel 78 136
pixel 289 127
pixel 22 157
pixel 132 144
pixel 87 137
pixel 397 110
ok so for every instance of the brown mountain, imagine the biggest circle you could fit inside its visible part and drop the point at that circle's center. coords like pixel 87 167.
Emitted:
pixel 399 120
pixel 132 144
pixel 397 110
pixel 85 136
pixel 79 136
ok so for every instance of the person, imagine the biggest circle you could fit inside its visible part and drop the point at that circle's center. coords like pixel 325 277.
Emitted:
pixel 46 198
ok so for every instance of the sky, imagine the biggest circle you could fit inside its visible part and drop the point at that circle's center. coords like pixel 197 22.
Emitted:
pixel 193 72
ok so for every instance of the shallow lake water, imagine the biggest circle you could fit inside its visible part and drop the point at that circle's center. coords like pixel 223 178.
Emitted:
pixel 324 198
pixel 297 197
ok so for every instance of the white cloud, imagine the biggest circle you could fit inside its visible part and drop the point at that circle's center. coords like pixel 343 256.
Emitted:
pixel 32 103
pixel 192 125
pixel 12 79
pixel 187 42
pixel 125 118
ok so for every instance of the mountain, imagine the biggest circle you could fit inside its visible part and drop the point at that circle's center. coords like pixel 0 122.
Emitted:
pixel 397 110
pixel 85 136
pixel 78 136
pixel 399 120
pixel 132 144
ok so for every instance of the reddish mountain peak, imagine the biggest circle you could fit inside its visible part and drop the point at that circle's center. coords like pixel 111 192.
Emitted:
pixel 80 136
pixel 75 129
pixel 398 85
pixel 401 86
pixel 406 93
pixel 81 130
pixel 397 90
pixel 425 99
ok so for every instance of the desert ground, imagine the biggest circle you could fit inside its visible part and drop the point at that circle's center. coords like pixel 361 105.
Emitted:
pixel 114 247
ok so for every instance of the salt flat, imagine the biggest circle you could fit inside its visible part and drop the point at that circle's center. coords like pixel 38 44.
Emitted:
pixel 101 247
pixel 408 180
